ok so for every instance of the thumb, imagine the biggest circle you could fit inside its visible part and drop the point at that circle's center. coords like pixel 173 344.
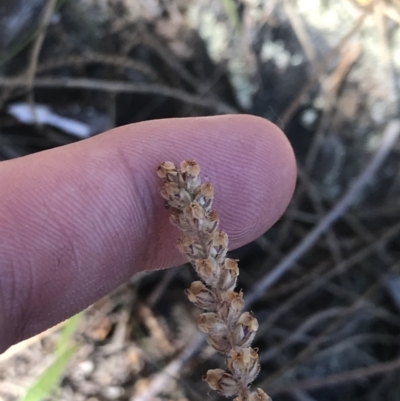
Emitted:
pixel 78 220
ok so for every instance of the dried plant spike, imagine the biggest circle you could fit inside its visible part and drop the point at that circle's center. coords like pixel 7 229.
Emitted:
pixel 229 330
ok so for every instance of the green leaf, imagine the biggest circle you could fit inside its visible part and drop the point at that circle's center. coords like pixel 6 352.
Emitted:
pixel 67 333
pixel 50 377
pixel 48 380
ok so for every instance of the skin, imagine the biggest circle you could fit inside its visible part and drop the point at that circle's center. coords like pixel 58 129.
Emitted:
pixel 78 220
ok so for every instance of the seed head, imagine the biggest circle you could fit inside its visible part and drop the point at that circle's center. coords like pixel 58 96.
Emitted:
pixel 229 331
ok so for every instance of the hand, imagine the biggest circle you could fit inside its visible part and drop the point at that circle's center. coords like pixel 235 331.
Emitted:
pixel 78 220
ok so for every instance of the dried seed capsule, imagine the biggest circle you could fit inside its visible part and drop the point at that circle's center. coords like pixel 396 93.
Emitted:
pixel 185 243
pixel 204 195
pixel 190 248
pixel 259 395
pixel 195 211
pixel 229 274
pixel 232 265
pixel 219 343
pixel 169 190
pixel 210 222
pixel 166 168
pixel 175 195
pixel 244 364
pixel 200 295
pixel 190 175
pixel 220 239
pixel 232 305
pixel 249 321
pixel 222 382
pixel 174 218
pixel 219 245
pixel 210 323
pixel 207 190
pixel 208 270
pixel 190 167
pixel 177 219
pixel 207 321
pixel 246 329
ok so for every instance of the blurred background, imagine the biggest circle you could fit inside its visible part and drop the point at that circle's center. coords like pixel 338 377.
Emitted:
pixel 324 282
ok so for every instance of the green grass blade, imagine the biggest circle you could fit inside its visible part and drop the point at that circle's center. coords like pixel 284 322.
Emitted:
pixel 67 332
pixel 50 377
pixel 47 381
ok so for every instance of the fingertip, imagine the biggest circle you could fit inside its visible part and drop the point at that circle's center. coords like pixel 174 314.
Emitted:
pixel 273 164
pixel 254 173
pixel 89 215
pixel 248 159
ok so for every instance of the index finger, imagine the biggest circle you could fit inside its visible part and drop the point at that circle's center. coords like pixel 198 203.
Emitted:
pixel 78 220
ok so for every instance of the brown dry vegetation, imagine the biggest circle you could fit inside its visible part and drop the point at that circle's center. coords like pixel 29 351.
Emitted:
pixel 327 72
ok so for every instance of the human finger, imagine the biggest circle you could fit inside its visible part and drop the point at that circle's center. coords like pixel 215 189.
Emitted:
pixel 78 220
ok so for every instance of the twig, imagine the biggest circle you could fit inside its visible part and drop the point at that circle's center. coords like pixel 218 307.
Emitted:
pixel 316 200
pixel 374 309
pixel 323 279
pixel 349 55
pixel 34 56
pixel 322 337
pixel 388 71
pixel 302 396
pixel 312 321
pixel 93 57
pixel 158 291
pixel 120 86
pixel 37 46
pixel 173 369
pixel 316 144
pixel 169 58
pixel 390 135
pixel 290 110
pixel 300 31
pixel 298 282
pixel 353 342
pixel 339 378
pixel 156 330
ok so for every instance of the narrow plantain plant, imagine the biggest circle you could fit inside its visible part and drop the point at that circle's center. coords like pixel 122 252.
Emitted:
pixel 230 331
